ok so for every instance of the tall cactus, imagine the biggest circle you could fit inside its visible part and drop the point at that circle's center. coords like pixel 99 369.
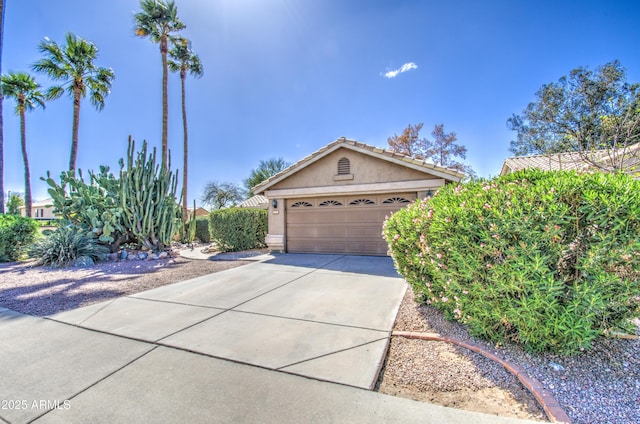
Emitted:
pixel 148 198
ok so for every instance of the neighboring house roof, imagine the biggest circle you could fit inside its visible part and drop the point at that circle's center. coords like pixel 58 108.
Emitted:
pixel 257 202
pixel 41 204
pixel 555 162
pixel 400 159
pixel 200 211
pixel 569 161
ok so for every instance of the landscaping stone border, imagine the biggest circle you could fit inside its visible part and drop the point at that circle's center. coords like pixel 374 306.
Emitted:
pixel 551 407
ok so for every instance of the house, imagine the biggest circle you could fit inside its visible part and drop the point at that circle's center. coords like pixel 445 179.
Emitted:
pixel 256 202
pixel 40 210
pixel 199 212
pixel 336 199
pixel 575 161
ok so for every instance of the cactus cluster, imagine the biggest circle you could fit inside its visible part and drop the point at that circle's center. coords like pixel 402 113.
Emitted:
pixel 148 198
pixel 138 207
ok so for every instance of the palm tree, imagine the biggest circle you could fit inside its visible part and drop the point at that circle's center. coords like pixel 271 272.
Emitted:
pixel 72 64
pixel 26 92
pixel 2 9
pixel 184 60
pixel 158 20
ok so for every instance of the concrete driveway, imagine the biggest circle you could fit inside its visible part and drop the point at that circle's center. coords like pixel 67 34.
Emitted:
pixel 322 316
pixel 266 342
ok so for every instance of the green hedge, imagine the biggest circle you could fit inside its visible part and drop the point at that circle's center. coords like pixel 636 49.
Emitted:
pixel 16 233
pixel 547 259
pixel 237 229
pixel 202 230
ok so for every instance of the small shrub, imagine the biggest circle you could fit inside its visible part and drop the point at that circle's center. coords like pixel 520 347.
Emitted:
pixel 202 230
pixel 16 233
pixel 547 259
pixel 237 229
pixel 65 245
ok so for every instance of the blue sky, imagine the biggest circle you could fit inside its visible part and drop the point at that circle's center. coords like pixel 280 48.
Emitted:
pixel 283 78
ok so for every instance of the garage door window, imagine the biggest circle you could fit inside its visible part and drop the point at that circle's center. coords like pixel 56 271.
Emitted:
pixel 362 202
pixel 301 205
pixel 396 200
pixel 330 203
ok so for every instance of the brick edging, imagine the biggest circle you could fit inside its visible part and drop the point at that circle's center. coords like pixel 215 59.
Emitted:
pixel 551 407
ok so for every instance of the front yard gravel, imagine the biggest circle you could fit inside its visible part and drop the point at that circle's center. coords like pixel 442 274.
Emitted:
pixel 601 385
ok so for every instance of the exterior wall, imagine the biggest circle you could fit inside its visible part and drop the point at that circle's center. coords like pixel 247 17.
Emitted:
pixel 39 212
pixel 276 237
pixel 365 169
pixel 367 175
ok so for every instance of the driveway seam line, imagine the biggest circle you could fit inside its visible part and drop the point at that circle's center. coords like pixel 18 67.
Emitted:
pixel 191 326
pixel 99 310
pixel 97 382
pixel 331 353
pixel 309 320
pixel 285 284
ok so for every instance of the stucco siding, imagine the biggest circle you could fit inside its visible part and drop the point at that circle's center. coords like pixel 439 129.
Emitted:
pixel 365 169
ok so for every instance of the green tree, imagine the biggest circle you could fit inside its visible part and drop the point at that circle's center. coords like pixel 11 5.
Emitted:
pixel 265 170
pixel 27 95
pixel 221 195
pixel 73 65
pixel 2 8
pixel 14 203
pixel 183 60
pixel 595 114
pixel 158 20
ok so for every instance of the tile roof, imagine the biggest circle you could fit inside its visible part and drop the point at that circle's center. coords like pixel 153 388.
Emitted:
pixel 569 160
pixel 258 201
pixel 446 173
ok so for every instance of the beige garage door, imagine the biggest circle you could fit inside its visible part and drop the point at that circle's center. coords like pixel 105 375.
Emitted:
pixel 351 225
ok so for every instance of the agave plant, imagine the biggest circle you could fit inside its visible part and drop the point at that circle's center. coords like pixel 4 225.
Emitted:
pixel 65 245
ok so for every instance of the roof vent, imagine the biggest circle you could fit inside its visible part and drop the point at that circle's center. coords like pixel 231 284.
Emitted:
pixel 344 166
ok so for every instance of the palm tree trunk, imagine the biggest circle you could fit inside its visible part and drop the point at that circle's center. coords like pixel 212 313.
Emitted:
pixel 74 130
pixel 1 123
pixel 183 76
pixel 25 158
pixel 165 101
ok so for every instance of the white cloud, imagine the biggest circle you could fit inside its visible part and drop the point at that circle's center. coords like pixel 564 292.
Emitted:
pixel 404 68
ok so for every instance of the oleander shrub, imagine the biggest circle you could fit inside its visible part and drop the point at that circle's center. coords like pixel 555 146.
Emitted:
pixel 235 229
pixel 16 234
pixel 550 260
pixel 65 245
pixel 202 230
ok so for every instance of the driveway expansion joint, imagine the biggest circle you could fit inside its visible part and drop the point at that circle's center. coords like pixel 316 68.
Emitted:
pixel 544 397
pixel 97 382
pixel 329 354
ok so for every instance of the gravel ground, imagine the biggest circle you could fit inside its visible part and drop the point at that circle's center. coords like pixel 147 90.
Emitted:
pixel 41 291
pixel 598 386
pixel 448 375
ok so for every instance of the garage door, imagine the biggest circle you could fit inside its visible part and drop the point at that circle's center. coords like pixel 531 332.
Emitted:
pixel 351 225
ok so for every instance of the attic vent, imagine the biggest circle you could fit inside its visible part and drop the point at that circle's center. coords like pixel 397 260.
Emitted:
pixel 344 166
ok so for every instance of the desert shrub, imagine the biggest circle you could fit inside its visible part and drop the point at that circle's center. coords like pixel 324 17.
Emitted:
pixel 547 259
pixel 16 233
pixel 236 229
pixel 65 245
pixel 202 230
pixel 137 206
